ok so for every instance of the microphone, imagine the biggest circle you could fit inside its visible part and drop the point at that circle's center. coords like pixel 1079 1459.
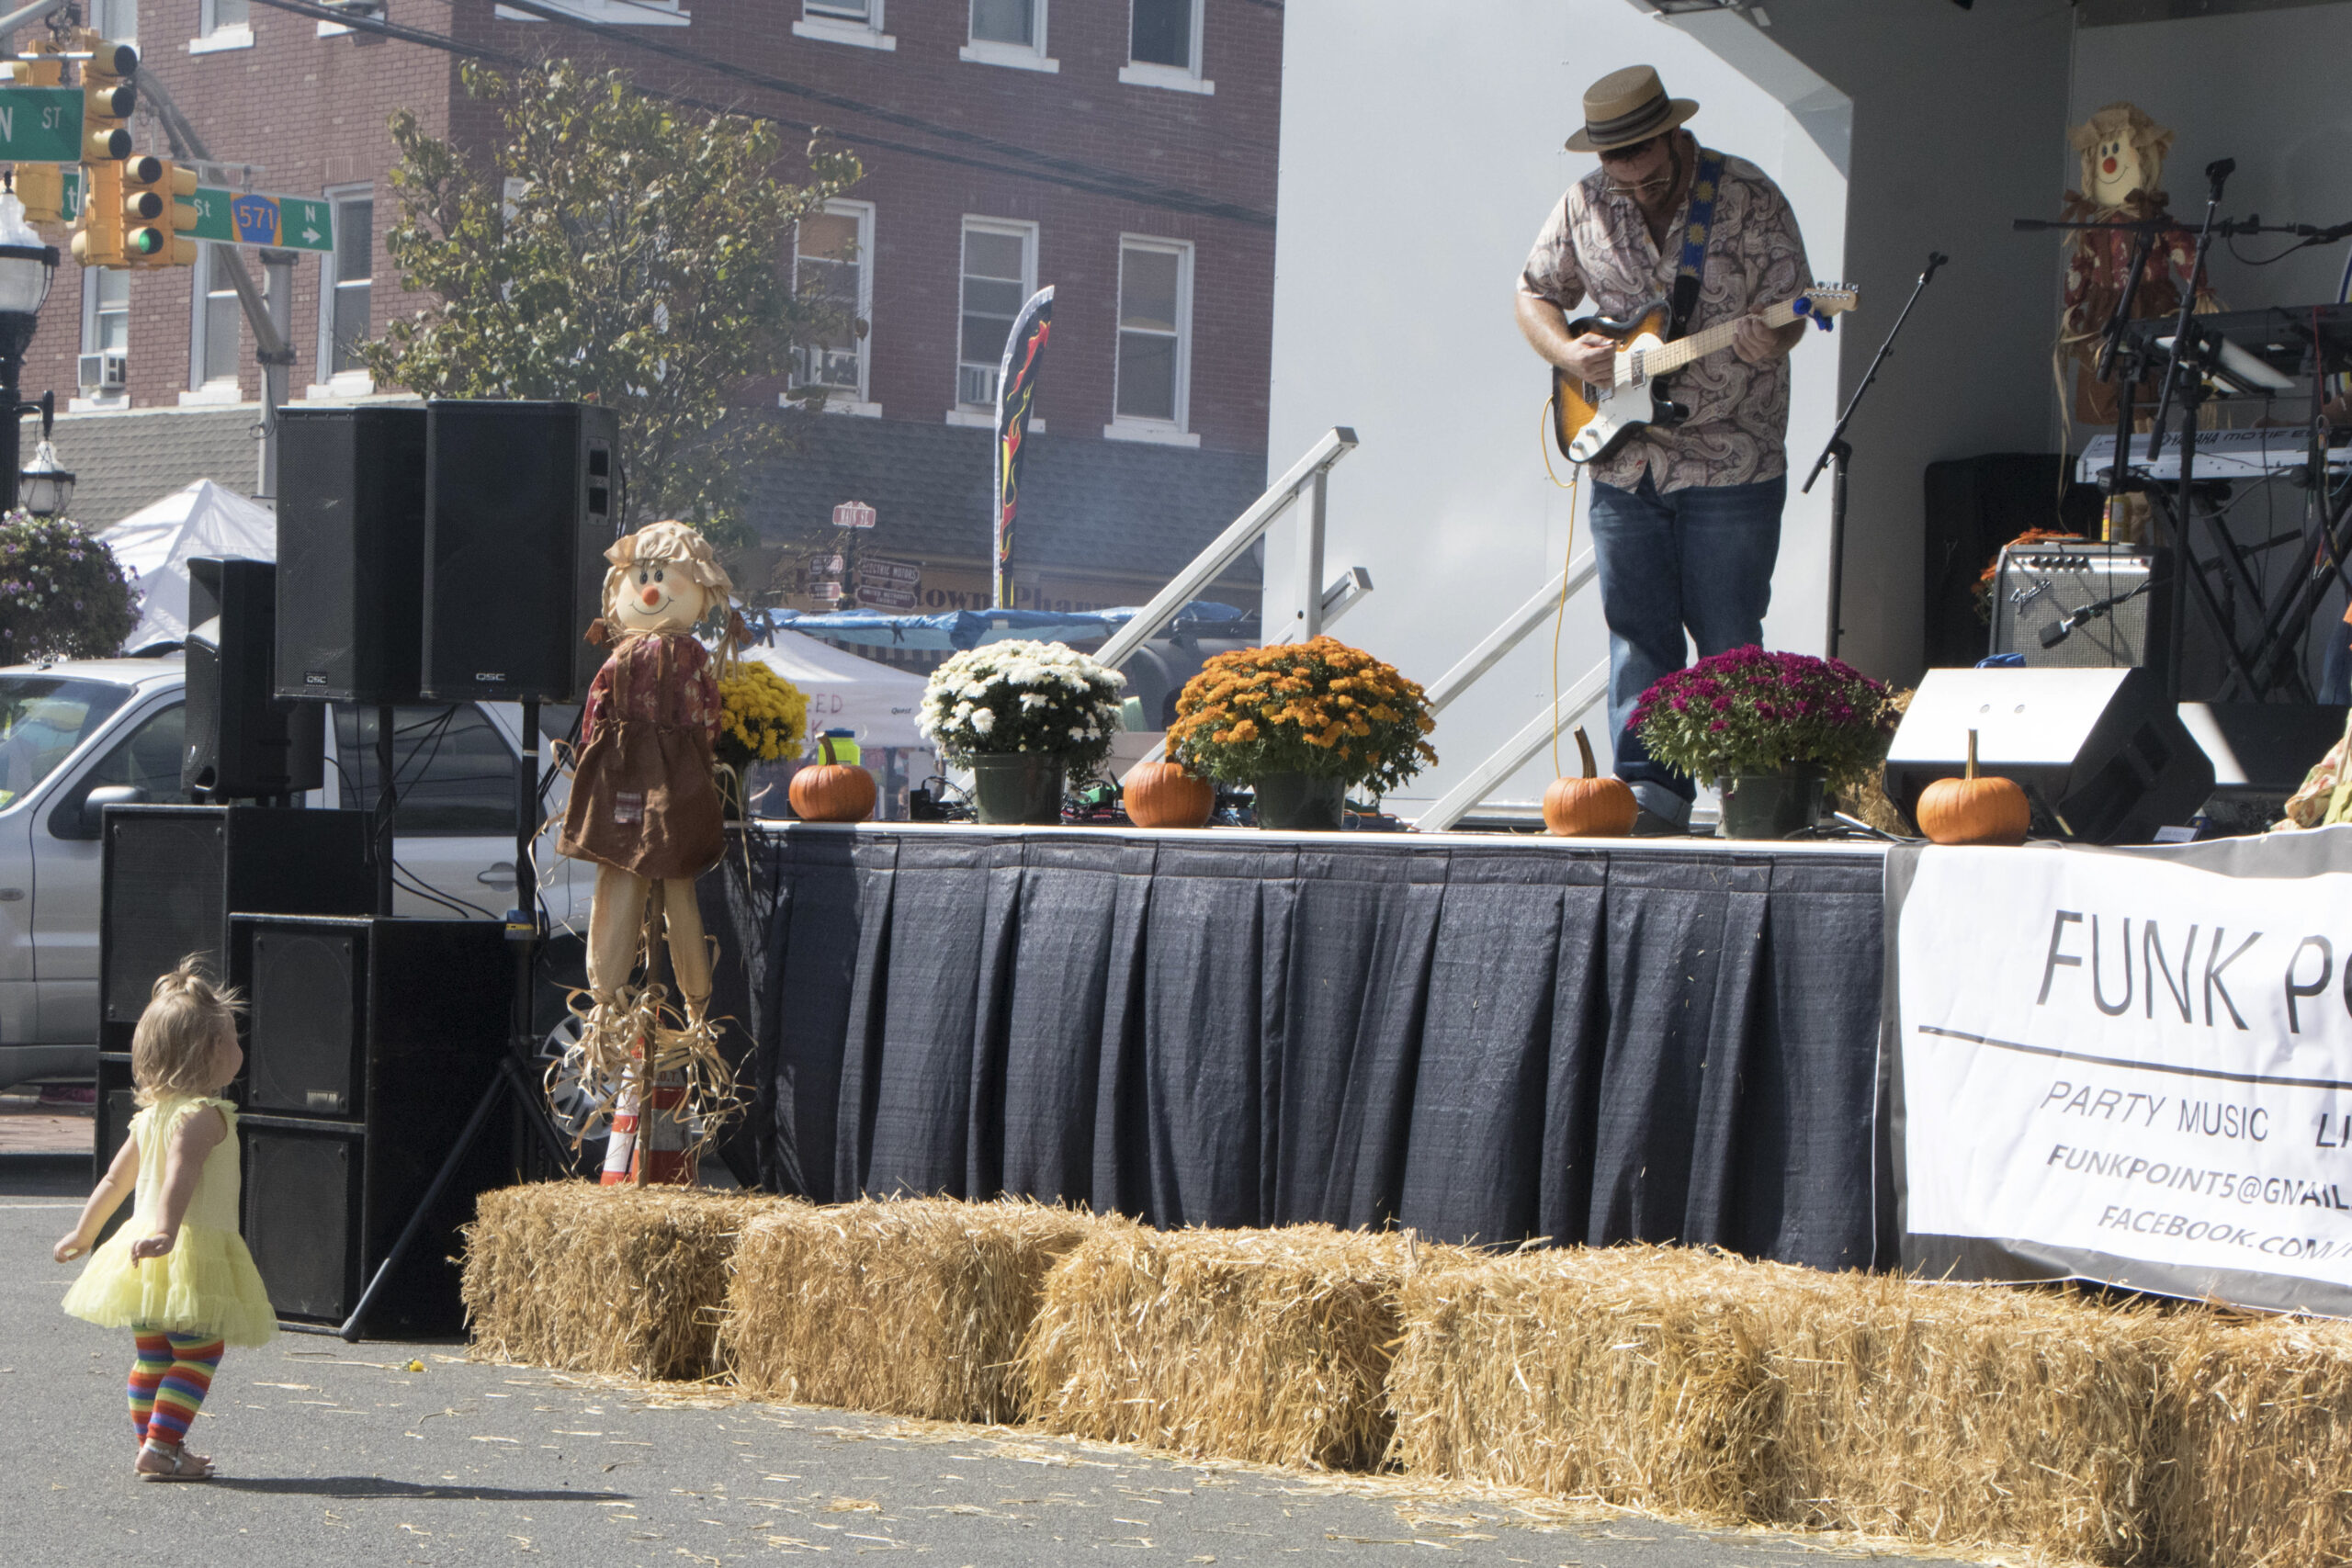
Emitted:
pixel 2057 632
pixel 2219 171
pixel 1935 260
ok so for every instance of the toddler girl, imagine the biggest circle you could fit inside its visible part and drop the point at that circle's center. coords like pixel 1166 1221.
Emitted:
pixel 178 1275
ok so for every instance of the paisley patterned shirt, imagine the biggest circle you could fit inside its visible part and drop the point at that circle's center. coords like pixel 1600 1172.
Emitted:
pixel 693 699
pixel 1595 245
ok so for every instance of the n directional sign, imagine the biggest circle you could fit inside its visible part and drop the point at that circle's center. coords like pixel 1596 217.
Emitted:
pixel 41 125
pixel 260 218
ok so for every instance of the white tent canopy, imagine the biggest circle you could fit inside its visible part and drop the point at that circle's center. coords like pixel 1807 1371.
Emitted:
pixel 158 540
pixel 874 702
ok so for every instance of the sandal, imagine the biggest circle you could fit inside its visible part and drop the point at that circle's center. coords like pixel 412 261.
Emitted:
pixel 184 1465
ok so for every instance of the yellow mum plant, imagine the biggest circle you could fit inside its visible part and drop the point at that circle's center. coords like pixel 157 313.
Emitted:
pixel 763 717
pixel 1318 707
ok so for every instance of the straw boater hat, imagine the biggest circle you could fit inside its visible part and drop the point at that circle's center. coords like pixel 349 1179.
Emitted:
pixel 1626 107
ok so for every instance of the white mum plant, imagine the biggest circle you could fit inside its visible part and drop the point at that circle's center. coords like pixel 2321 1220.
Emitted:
pixel 1023 696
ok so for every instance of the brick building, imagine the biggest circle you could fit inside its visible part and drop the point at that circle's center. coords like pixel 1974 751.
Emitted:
pixel 1123 150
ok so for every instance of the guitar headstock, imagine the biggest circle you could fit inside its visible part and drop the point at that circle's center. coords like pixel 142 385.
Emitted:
pixel 1830 298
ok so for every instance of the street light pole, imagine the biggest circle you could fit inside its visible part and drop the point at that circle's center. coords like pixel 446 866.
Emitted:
pixel 27 267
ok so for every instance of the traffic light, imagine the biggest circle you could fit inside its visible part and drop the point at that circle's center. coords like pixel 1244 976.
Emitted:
pixel 41 73
pixel 158 207
pixel 41 188
pixel 108 98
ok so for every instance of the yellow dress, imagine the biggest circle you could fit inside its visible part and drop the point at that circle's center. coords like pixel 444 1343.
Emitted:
pixel 206 1283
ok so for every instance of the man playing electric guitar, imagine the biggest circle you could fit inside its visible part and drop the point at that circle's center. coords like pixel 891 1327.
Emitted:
pixel 1686 518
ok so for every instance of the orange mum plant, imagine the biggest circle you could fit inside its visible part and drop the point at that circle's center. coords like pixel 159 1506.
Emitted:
pixel 1318 707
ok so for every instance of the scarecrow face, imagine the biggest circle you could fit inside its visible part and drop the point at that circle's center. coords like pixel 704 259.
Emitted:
pixel 658 596
pixel 2117 170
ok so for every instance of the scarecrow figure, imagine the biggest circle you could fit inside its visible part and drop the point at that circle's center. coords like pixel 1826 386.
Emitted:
pixel 2124 163
pixel 645 807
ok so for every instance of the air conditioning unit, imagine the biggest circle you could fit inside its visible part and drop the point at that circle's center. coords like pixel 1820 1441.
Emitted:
pixel 99 373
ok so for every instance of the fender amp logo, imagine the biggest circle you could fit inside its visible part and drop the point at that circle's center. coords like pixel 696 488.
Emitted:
pixel 491 677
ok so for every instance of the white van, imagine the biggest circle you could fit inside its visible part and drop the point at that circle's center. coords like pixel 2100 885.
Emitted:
pixel 69 729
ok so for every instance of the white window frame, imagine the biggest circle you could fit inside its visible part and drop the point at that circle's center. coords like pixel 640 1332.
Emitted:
pixel 211 36
pixel 91 276
pixel 374 8
pixel 813 23
pixel 333 384
pixel 1175 78
pixel 1021 57
pixel 119 35
pixel 1177 432
pixel 609 12
pixel 862 211
pixel 228 388
pixel 977 415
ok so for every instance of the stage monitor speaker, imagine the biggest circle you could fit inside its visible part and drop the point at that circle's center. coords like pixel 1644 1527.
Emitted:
pixel 351 554
pixel 2266 748
pixel 244 742
pixel 170 877
pixel 372 1041
pixel 2082 605
pixel 2099 751
pixel 519 511
pixel 1974 505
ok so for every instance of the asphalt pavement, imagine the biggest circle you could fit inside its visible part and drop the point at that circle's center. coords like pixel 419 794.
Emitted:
pixel 400 1453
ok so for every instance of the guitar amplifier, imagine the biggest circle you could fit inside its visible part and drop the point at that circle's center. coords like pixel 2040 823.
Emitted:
pixel 2070 603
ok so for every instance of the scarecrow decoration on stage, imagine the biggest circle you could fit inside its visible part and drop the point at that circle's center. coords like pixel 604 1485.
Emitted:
pixel 645 807
pixel 2124 163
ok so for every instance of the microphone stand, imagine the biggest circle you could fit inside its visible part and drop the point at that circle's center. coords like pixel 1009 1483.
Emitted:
pixel 2185 373
pixel 1839 450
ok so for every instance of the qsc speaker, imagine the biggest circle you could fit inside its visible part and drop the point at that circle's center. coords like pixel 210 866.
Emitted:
pixel 2100 750
pixel 372 1039
pixel 170 877
pixel 2075 604
pixel 351 554
pixel 244 742
pixel 519 510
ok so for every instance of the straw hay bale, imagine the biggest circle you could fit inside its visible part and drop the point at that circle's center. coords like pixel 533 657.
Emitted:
pixel 2263 1474
pixel 909 1306
pixel 1270 1345
pixel 623 1280
pixel 1699 1384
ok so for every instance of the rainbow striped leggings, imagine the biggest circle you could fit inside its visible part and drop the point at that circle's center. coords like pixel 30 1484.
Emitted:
pixel 169 1380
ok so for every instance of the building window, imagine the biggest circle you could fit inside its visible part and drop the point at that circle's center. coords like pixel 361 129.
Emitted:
pixel 1008 32
pixel 1154 326
pixel 831 251
pixel 222 24
pixel 346 295
pixel 115 20
pixel 106 337
pixel 608 13
pixel 212 338
pixel 843 21
pixel 1164 46
pixel 1000 274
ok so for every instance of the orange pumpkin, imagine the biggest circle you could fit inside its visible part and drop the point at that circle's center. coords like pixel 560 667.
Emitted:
pixel 1589 807
pixel 1973 810
pixel 832 792
pixel 1162 795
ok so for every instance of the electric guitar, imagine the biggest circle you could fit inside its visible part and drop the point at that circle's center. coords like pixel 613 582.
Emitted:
pixel 1590 422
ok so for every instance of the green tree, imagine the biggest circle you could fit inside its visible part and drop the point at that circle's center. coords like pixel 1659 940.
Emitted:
pixel 613 249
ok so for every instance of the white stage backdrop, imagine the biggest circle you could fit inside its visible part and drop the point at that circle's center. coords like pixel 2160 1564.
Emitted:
pixel 1420 153
pixel 2132 1066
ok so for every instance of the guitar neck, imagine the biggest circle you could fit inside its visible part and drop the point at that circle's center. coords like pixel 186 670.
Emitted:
pixel 1674 355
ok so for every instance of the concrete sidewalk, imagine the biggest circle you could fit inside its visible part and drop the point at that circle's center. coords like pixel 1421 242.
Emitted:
pixel 341 1453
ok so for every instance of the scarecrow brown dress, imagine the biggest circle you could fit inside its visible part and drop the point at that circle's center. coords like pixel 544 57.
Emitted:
pixel 645 791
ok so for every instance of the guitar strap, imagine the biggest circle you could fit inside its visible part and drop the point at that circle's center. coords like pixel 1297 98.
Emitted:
pixel 1704 185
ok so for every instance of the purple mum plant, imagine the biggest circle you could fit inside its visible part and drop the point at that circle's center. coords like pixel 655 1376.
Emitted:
pixel 63 595
pixel 1750 711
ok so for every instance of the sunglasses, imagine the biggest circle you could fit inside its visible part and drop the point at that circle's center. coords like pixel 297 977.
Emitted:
pixel 1628 153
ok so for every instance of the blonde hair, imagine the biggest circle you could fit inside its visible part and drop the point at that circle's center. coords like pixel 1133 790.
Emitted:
pixel 673 545
pixel 172 1047
pixel 2131 122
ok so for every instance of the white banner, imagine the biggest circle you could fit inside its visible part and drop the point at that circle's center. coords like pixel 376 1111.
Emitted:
pixel 2127 1067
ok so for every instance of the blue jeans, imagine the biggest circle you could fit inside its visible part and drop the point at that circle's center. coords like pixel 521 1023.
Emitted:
pixel 1699 558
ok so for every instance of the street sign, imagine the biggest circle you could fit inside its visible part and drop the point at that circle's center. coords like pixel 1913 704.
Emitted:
pixel 41 125
pixel 852 515
pixel 262 218
pixel 885 584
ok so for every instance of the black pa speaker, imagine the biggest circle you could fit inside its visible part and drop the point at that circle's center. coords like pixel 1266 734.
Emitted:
pixel 244 742
pixel 351 554
pixel 2100 750
pixel 372 1039
pixel 170 876
pixel 519 510
pixel 2076 605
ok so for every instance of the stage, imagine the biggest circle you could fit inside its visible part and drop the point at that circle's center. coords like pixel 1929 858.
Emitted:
pixel 1478 1037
